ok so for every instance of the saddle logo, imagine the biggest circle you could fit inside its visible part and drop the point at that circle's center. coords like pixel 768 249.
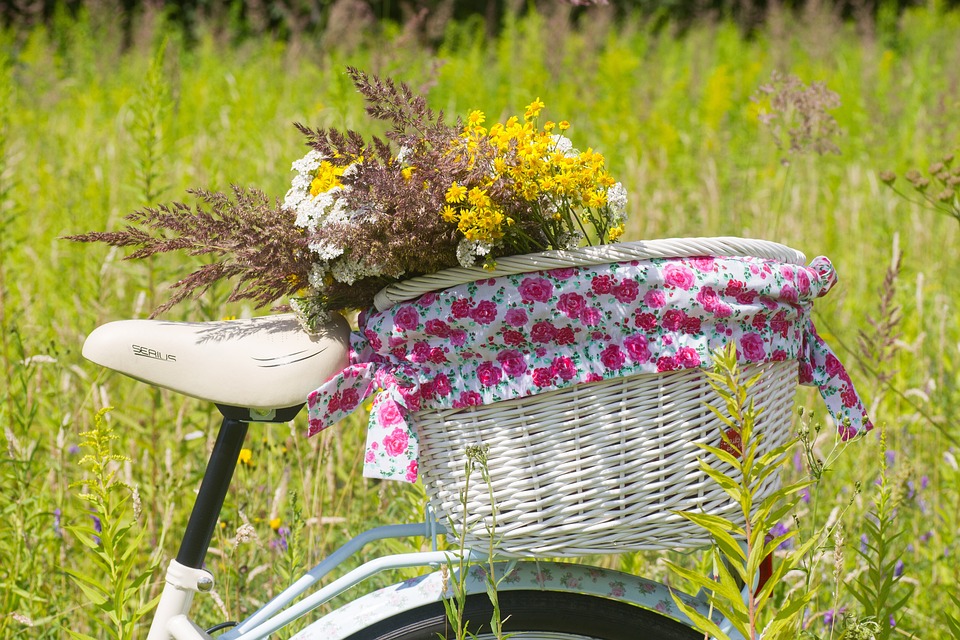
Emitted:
pixel 145 352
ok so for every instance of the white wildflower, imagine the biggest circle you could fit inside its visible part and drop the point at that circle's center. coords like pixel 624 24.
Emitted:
pixel 617 201
pixel 326 250
pixel 564 146
pixel 465 253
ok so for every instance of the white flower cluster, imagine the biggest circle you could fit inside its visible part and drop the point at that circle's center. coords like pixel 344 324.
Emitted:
pixel 468 251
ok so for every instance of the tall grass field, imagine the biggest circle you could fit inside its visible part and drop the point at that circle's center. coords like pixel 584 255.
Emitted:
pixel 94 125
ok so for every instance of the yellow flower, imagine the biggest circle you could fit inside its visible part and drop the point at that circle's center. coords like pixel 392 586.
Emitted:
pixel 456 193
pixel 615 232
pixel 548 126
pixel 564 125
pixel 407 172
pixel 275 524
pixel 476 118
pixel 245 457
pixel 328 177
pixel 448 213
pixel 533 109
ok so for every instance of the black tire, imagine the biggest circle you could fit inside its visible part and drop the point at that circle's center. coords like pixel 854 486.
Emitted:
pixel 555 615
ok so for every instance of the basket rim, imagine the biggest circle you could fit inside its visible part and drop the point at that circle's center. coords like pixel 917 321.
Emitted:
pixel 729 246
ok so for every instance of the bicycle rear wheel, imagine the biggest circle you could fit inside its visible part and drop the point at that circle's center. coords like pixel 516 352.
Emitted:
pixel 535 615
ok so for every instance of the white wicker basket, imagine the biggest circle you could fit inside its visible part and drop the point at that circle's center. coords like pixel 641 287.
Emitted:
pixel 599 467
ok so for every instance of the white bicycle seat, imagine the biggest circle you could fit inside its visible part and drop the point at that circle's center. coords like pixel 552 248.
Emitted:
pixel 263 364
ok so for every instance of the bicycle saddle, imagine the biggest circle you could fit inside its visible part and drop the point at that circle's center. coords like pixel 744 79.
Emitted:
pixel 263 364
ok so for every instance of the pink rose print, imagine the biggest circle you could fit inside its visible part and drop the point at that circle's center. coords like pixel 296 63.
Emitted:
pixel 468 399
pixel 805 374
pixel 350 399
pixel 590 317
pixel 460 308
pixel 535 290
pixel 543 376
pixel 512 362
pixel 412 469
pixel 803 281
pixel 786 271
pixel 645 321
pixel 779 355
pixel 691 325
pixel 564 336
pixel 780 324
pixel 677 275
pixel 723 310
pixel 759 322
pixel 571 304
pixel 788 293
pixel 513 338
pixel 849 397
pixel 437 328
pixel 752 346
pixel 407 318
pixel 543 332
pixel 833 366
pixel 484 313
pixel 627 291
pixel 441 385
pixel 564 367
pixel 420 352
pixel 612 358
pixel 437 356
pixel 688 358
pixel 489 374
pixel 673 320
pixel 708 298
pixel 563 274
pixel 516 317
pixel 704 263
pixel 389 414
pixel 667 363
pixel 601 284
pixel 373 339
pixel 427 300
pixel 637 348
pixel 458 337
pixel 654 299
pixel 396 442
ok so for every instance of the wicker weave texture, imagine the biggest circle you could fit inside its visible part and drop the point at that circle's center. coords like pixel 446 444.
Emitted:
pixel 588 256
pixel 595 468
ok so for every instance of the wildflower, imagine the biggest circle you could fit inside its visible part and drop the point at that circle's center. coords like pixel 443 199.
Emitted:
pixel 533 109
pixel 456 193
pixel 275 523
pixel 898 569
pixel 245 457
pixel 476 118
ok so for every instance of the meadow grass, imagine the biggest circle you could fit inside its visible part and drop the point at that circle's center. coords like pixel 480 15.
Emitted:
pixel 91 130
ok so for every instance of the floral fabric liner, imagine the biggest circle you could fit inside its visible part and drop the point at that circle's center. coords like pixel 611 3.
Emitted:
pixel 515 336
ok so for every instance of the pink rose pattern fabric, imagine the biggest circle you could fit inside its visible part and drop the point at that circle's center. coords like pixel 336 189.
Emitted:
pixel 515 336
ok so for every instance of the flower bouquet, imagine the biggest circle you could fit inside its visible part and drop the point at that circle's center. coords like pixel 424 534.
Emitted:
pixel 362 214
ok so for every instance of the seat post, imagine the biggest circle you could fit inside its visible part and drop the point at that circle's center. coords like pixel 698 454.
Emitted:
pixel 213 491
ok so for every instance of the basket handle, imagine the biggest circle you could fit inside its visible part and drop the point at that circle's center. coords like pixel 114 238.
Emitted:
pixel 584 257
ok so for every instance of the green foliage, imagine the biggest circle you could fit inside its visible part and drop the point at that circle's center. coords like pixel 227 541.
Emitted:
pixel 111 538
pixel 741 548
pixel 880 589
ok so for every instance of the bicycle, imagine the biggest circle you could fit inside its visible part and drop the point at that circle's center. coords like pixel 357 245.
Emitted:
pixel 260 370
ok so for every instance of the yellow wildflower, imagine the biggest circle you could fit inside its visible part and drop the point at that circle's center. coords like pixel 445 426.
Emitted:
pixel 275 524
pixel 476 118
pixel 456 193
pixel 245 457
pixel 533 109
pixel 407 173
pixel 448 213
pixel 564 125
pixel 615 232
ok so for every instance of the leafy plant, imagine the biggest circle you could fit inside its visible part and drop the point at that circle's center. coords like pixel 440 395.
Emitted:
pixel 111 538
pixel 740 547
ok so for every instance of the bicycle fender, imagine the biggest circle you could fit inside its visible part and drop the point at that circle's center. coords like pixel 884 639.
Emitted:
pixel 511 576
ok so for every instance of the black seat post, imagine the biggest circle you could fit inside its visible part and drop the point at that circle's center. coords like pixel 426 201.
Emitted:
pixel 213 491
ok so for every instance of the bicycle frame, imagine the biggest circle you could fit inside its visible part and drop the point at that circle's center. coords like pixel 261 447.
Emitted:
pixel 185 576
